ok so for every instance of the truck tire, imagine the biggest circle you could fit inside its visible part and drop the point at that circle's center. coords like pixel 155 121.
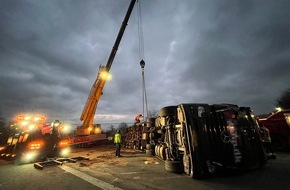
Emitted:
pixel 173 166
pixel 186 164
pixel 150 147
pixel 156 150
pixel 150 122
pixel 168 111
pixel 162 153
pixel 150 152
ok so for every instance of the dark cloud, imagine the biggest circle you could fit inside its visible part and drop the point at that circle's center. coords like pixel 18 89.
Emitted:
pixel 195 51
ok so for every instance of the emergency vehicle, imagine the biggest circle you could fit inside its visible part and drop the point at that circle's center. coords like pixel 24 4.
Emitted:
pixel 31 139
pixel 278 124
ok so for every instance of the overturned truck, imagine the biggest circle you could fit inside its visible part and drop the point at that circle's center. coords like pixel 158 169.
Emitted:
pixel 198 139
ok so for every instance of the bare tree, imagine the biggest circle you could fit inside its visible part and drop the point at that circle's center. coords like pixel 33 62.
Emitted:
pixel 153 113
pixel 111 131
pixel 284 100
pixel 122 127
pixel 2 120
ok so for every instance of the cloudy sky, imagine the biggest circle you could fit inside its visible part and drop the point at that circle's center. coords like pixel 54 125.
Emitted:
pixel 196 51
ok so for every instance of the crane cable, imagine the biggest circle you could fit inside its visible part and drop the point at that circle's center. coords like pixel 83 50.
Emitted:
pixel 142 58
pixel 140 32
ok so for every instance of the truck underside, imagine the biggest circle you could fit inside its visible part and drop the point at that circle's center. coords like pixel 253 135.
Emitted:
pixel 197 139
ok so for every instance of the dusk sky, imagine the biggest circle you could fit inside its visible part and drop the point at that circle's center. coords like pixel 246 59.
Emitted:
pixel 196 51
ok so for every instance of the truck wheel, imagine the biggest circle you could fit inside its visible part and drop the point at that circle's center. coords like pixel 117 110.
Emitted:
pixel 156 150
pixel 150 122
pixel 150 147
pixel 186 164
pixel 173 166
pixel 168 111
pixel 150 152
pixel 162 152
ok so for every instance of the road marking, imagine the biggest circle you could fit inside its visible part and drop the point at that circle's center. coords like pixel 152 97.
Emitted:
pixel 96 182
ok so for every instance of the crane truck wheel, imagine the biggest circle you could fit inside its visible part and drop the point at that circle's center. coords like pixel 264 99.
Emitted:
pixel 168 111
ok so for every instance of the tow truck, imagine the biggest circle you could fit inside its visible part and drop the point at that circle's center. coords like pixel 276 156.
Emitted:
pixel 278 124
pixel 31 139
pixel 90 133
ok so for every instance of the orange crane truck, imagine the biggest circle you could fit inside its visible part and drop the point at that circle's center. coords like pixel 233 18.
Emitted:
pixel 89 133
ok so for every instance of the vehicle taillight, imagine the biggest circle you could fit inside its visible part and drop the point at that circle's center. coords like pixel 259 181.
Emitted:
pixel 63 143
pixel 287 118
pixel 35 145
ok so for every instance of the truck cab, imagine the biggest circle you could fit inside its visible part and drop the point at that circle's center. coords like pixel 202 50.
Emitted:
pixel 196 139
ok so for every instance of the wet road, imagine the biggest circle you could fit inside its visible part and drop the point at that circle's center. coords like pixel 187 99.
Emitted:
pixel 25 177
pixel 136 171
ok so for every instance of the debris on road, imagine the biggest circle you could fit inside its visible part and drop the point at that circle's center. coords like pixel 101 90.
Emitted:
pixel 56 162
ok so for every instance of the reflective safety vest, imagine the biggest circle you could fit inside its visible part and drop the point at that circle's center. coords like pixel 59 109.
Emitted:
pixel 117 138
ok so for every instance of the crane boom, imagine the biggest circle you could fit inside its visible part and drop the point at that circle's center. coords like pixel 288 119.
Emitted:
pixel 96 91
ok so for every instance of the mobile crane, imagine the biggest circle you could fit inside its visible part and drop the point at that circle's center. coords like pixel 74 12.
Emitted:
pixel 89 132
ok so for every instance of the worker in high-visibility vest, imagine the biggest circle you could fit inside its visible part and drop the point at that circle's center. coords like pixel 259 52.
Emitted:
pixel 117 141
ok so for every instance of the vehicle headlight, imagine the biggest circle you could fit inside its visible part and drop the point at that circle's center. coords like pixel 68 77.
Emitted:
pixel 65 152
pixel 2 148
pixel 29 156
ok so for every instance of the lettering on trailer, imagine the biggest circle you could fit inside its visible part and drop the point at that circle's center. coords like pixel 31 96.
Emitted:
pixel 237 152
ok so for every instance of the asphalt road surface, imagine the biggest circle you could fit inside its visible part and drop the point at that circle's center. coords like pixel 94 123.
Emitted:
pixel 135 170
pixel 26 177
